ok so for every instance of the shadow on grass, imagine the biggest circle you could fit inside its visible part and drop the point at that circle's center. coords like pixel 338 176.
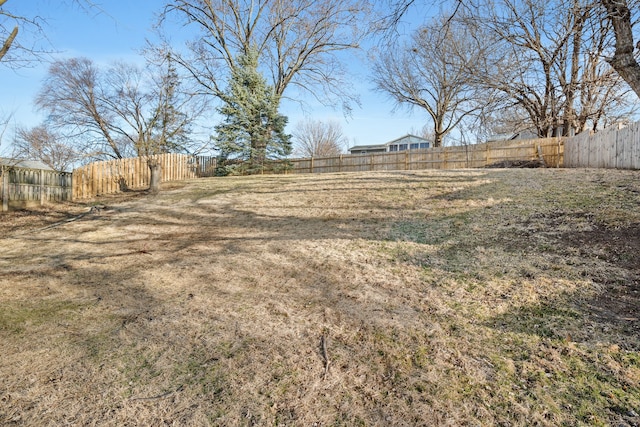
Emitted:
pixel 241 348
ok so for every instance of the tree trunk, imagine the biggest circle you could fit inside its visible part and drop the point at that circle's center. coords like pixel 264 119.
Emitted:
pixel 258 156
pixel 437 140
pixel 623 60
pixel 569 125
pixel 155 167
pixel 438 133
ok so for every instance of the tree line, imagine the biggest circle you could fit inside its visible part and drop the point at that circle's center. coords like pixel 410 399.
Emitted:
pixel 504 66
pixel 479 67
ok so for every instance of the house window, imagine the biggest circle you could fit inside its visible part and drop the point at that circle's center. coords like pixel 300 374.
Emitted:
pixel 414 146
pixel 402 147
pixel 424 145
pixel 393 148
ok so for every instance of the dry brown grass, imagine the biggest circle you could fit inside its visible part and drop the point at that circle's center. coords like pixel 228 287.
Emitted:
pixel 477 297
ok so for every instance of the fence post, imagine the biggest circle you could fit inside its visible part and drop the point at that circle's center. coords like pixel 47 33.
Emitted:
pixel 487 155
pixel 86 185
pixel 540 155
pixel 311 165
pixel 41 187
pixel 5 189
pixel 406 160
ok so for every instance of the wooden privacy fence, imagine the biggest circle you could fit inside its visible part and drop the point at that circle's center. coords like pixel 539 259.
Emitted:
pixel 114 176
pixel 457 157
pixel 20 187
pixel 610 148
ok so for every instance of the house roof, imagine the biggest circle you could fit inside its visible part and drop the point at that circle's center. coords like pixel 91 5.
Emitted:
pixel 409 136
pixel 369 147
pixel 525 134
pixel 27 164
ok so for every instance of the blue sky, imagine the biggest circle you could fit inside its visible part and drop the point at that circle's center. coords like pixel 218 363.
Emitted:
pixel 119 31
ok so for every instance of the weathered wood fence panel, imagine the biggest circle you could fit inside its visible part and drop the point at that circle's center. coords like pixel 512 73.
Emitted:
pixel 206 166
pixel 610 148
pixel 21 187
pixel 457 157
pixel 628 147
pixel 114 176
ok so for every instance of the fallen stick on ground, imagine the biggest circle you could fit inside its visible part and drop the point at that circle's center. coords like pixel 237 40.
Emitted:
pixel 93 210
pixel 325 355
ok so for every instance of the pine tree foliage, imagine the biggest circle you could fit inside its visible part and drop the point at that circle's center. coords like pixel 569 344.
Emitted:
pixel 252 129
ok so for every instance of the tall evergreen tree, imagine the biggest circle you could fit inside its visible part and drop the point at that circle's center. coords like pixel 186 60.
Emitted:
pixel 252 129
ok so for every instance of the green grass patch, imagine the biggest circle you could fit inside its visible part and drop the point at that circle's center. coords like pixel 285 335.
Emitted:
pixel 17 317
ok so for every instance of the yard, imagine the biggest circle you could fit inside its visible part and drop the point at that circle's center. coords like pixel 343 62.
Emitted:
pixel 469 297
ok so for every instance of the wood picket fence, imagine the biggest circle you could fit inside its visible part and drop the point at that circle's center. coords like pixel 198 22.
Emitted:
pixel 610 148
pixel 549 150
pixel 114 176
pixel 22 187
pixel 615 147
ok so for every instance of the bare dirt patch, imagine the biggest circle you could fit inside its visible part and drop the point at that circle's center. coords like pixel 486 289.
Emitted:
pixel 475 297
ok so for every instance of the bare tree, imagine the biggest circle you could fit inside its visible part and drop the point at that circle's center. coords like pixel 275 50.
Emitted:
pixel 43 144
pixel 314 138
pixel 298 42
pixel 434 73
pixel 617 12
pixel 550 62
pixel 121 111
pixel 75 98
pixel 522 68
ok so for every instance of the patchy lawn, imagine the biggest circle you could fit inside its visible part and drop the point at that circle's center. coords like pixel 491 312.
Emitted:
pixel 475 297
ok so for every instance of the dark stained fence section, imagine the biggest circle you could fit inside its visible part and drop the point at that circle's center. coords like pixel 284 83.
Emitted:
pixel 21 187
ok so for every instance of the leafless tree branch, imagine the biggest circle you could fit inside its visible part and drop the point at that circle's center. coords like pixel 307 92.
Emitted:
pixel 299 43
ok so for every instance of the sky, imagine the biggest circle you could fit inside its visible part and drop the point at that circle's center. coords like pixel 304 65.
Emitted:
pixel 117 32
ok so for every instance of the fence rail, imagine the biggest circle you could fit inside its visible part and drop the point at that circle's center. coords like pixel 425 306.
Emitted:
pixel 458 157
pixel 613 147
pixel 20 187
